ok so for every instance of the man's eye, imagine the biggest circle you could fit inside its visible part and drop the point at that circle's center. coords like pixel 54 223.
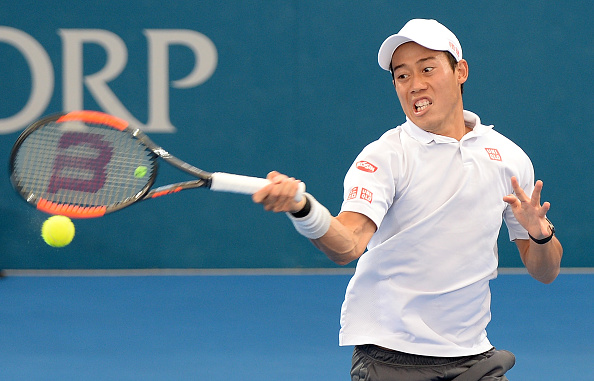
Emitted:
pixel 402 76
pixel 427 69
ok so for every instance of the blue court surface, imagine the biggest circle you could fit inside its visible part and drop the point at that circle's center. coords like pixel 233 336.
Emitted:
pixel 252 327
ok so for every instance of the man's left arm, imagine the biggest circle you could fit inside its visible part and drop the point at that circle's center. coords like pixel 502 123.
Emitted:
pixel 540 255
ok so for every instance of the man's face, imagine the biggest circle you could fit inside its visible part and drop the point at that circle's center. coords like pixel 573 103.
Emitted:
pixel 428 88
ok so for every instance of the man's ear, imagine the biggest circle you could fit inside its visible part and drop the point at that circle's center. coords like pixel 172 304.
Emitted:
pixel 462 70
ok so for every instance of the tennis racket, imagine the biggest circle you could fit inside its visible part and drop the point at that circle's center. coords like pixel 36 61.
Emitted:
pixel 85 164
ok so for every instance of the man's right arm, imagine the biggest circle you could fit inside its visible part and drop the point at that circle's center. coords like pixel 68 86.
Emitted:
pixel 347 234
pixel 347 237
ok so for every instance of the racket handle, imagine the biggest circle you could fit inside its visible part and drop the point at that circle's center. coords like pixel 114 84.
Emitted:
pixel 227 182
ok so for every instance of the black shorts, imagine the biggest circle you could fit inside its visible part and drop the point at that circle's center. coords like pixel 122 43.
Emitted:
pixel 373 363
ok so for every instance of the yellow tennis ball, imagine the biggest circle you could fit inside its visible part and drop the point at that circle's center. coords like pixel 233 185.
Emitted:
pixel 140 172
pixel 57 231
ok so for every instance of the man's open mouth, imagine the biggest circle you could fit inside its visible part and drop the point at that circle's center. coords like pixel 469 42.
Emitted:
pixel 422 105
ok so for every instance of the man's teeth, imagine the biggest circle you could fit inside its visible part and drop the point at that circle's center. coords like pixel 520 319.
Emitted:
pixel 421 105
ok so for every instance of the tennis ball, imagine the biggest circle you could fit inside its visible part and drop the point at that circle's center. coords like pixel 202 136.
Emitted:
pixel 57 231
pixel 140 172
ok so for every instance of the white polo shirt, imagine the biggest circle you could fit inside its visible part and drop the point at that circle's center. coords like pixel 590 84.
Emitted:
pixel 423 285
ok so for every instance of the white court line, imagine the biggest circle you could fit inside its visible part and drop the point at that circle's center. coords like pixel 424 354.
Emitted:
pixel 182 272
pixel 232 272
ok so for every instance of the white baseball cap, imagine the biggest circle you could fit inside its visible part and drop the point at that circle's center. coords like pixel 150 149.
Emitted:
pixel 428 33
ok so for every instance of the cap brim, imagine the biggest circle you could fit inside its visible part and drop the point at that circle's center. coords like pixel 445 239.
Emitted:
pixel 389 46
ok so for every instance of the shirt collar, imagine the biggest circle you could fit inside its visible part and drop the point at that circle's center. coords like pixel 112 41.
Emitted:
pixel 470 120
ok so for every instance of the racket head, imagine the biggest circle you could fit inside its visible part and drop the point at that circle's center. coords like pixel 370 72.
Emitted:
pixel 81 164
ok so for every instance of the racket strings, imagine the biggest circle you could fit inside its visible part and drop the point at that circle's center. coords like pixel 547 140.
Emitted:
pixel 82 164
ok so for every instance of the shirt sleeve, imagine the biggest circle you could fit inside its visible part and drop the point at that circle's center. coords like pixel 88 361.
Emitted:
pixel 369 184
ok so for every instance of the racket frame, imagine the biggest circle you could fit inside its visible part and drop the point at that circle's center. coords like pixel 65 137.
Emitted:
pixel 204 179
pixel 218 181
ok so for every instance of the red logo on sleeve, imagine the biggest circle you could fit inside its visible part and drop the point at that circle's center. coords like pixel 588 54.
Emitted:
pixel 366 166
pixel 366 195
pixel 353 193
pixel 493 154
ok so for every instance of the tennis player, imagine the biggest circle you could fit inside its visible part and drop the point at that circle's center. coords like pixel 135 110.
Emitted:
pixel 422 210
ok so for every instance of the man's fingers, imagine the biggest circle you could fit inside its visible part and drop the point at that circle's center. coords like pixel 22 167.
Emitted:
pixel 546 206
pixel 279 195
pixel 510 199
pixel 516 187
pixel 264 194
pixel 276 177
pixel 536 193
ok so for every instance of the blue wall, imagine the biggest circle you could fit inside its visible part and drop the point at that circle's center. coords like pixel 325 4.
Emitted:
pixel 296 87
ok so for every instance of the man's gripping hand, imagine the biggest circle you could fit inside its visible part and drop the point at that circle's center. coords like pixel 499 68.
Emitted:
pixel 279 195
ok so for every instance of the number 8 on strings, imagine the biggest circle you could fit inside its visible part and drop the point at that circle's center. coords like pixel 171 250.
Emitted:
pixel 86 164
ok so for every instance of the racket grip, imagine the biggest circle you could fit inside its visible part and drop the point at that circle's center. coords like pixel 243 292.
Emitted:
pixel 227 182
